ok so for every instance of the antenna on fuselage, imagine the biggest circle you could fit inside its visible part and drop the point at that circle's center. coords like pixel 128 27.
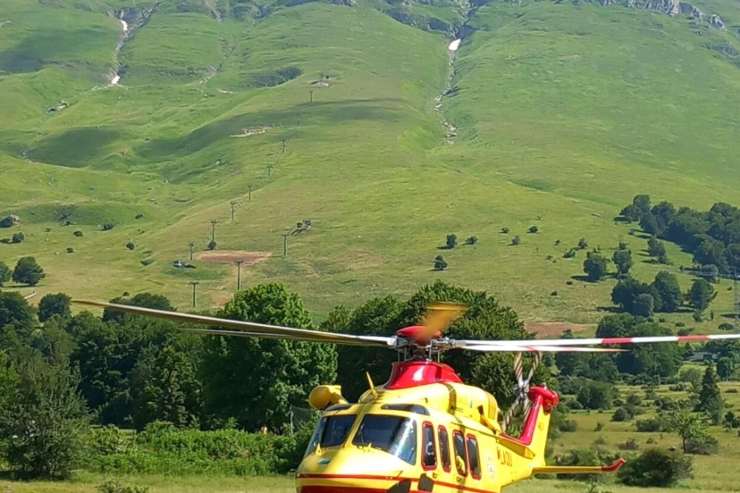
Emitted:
pixel 371 384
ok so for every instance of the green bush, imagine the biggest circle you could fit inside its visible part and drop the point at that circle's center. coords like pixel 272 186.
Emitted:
pixel 655 467
pixel 163 449
pixel 649 425
pixel 116 487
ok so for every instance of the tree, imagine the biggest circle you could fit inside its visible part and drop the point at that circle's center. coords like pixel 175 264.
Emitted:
pixel 54 304
pixel 440 263
pixel 595 395
pixel 451 241
pixel 701 294
pixel 667 288
pixel 144 300
pixel 686 424
pixel 165 386
pixel 626 291
pixel 43 421
pixel 280 373
pixel 4 273
pixel 656 249
pixel 710 397
pixel 595 267
pixel 14 309
pixel 655 468
pixel 533 229
pixel 710 272
pixel 27 271
pixel 623 260
pixel 644 305
pixel 18 237
pixel 725 368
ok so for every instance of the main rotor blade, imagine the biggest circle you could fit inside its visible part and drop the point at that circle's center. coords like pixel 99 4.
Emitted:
pixel 605 341
pixel 248 329
pixel 534 349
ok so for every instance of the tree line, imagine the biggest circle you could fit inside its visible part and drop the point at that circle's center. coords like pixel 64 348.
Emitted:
pixel 713 237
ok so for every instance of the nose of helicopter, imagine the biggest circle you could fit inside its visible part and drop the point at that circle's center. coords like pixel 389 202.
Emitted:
pixel 353 470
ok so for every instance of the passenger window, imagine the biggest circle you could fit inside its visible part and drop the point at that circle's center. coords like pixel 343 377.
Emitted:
pixel 444 448
pixel 474 457
pixel 428 447
pixel 461 459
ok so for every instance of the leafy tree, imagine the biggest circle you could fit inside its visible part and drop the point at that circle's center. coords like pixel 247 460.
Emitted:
pixel 165 386
pixel 701 294
pixel 710 272
pixel 4 273
pixel 668 291
pixel 626 292
pixel 256 381
pixel 377 316
pixel 595 267
pixel 440 263
pixel 710 397
pixel 688 426
pixel 656 249
pixel 725 368
pixel 451 241
pixel 622 413
pixel 596 395
pixel 649 224
pixel 692 376
pixel 655 468
pixel 644 305
pixel 145 300
pixel 43 421
pixel 27 271
pixel 623 260
pixel 54 304
pixel 14 309
pixel 662 360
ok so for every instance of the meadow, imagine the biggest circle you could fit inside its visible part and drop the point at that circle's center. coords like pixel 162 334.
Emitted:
pixel 555 128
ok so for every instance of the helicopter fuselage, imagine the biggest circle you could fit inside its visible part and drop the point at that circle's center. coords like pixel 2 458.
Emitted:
pixel 424 430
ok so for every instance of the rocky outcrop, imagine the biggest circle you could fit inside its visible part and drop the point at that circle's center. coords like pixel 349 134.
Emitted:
pixel 716 21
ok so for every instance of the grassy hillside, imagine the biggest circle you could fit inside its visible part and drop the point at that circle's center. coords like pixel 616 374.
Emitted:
pixel 327 112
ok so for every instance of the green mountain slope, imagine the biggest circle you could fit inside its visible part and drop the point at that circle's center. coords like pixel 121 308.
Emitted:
pixel 332 112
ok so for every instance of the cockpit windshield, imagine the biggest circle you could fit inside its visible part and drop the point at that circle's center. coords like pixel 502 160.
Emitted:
pixel 332 431
pixel 393 434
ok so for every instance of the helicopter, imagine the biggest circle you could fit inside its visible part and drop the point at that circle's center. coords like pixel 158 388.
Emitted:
pixel 423 430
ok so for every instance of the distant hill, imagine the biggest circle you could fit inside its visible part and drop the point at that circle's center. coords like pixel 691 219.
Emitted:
pixel 154 116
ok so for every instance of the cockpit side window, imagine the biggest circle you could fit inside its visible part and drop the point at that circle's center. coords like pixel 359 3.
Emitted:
pixel 461 458
pixel 428 447
pixel 331 431
pixel 395 435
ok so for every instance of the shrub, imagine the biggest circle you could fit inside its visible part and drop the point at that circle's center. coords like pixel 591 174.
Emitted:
pixel 570 253
pixel 583 457
pixel 17 237
pixel 655 467
pixel 107 226
pixel 701 444
pixel 27 271
pixel 622 414
pixel 726 327
pixel 471 240
pixel 630 444
pixel 78 234
pixel 533 229
pixel 582 244
pixel 212 245
pixel 130 245
pixel 440 263
pixel 568 425
pixel 649 425
pixel 516 241
pixel 451 241
pixel 505 230
pixel 599 426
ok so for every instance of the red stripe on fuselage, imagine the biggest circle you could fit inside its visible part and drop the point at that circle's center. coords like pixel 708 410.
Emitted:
pixel 345 489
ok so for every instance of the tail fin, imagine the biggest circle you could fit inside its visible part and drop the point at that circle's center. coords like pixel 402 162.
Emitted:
pixel 537 423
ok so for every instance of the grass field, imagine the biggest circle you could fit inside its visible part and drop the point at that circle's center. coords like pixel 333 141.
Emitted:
pixel 556 128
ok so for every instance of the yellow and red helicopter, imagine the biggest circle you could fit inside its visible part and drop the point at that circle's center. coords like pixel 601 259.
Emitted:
pixel 424 430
